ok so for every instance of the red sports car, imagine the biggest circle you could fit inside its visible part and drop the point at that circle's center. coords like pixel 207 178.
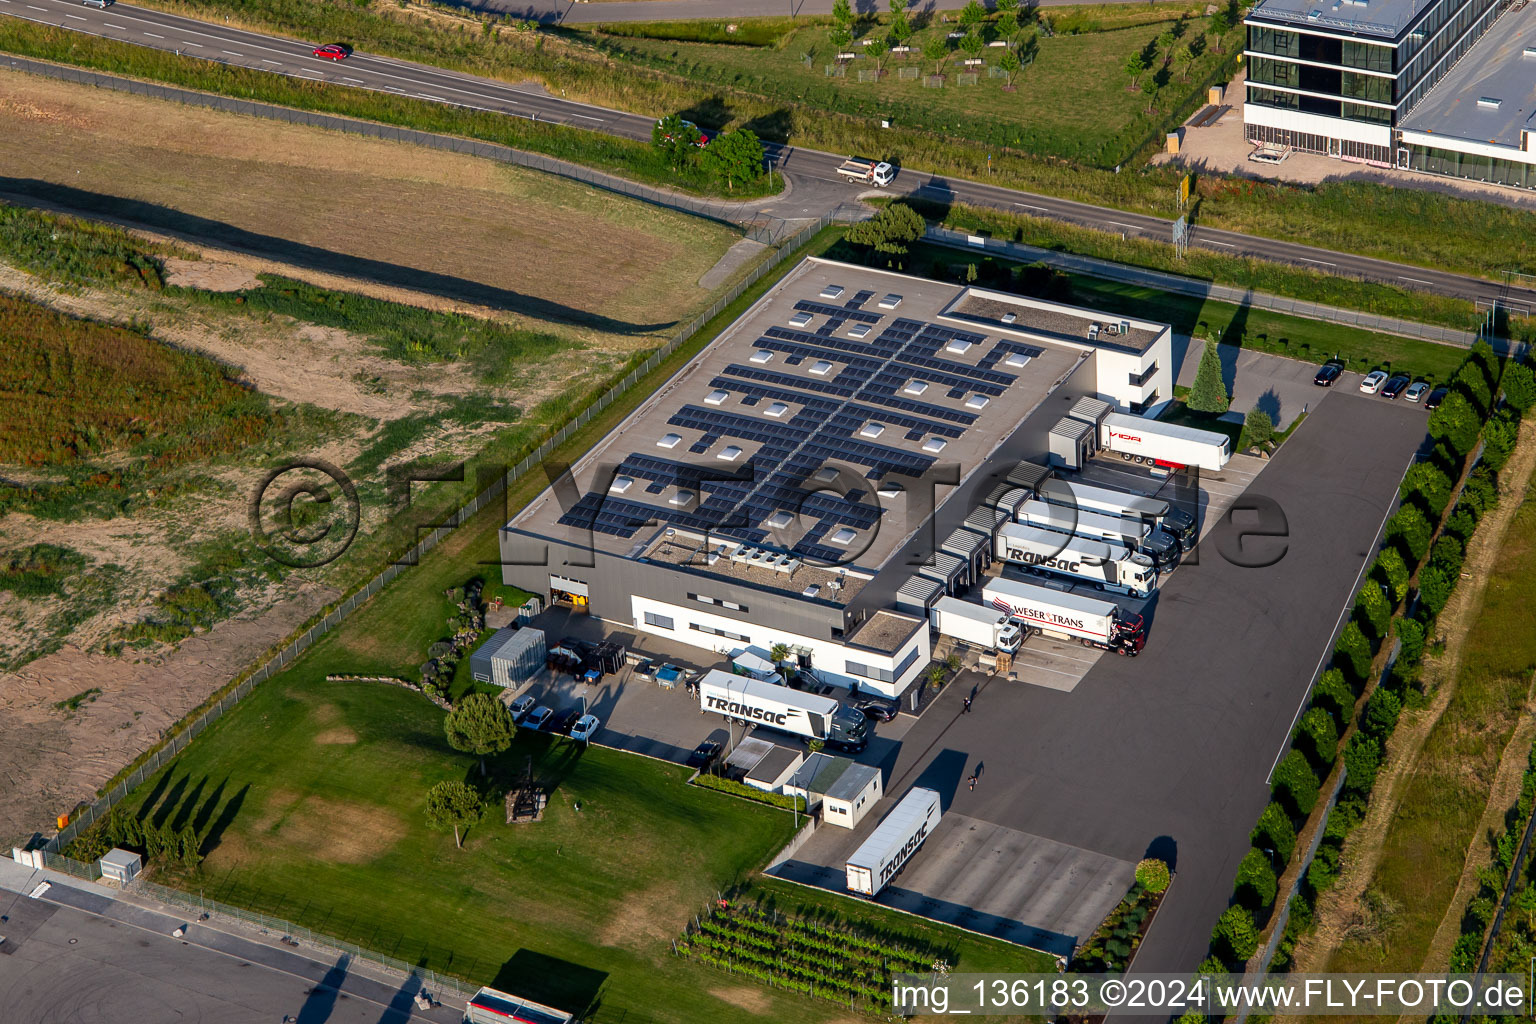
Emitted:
pixel 334 51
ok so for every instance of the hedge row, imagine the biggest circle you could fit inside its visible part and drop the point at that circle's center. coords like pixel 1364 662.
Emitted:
pixel 731 786
pixel 1469 413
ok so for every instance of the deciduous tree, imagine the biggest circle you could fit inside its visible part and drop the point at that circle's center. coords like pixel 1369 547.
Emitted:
pixel 456 806
pixel 675 137
pixel 1135 66
pixel 735 156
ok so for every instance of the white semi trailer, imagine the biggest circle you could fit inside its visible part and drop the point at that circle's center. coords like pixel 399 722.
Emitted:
pixel 1105 565
pixel 778 707
pixel 1089 621
pixel 893 842
pixel 1136 534
pixel 975 624
pixel 1088 498
pixel 1137 439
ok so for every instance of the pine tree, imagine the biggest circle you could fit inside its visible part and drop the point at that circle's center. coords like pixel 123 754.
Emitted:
pixel 1209 393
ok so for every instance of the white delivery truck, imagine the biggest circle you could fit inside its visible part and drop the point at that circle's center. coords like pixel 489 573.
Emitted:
pixel 974 624
pixel 1105 565
pixel 779 707
pixel 868 172
pixel 1090 621
pixel 1135 534
pixel 1170 517
pixel 893 841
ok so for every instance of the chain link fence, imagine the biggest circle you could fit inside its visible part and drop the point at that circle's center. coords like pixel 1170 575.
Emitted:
pixel 286 655
pixel 1190 286
pixel 758 226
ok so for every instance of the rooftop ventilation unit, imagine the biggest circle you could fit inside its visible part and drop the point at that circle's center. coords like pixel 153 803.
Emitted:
pixel 670 441
pixel 800 319
pixel 821 367
pixel 1009 318
pixel 843 536
pixel 716 397
pixel 959 346
pixel 872 430
pixel 730 453
pixel 681 498
pixel 859 331
pixel 891 301
pixel 776 410
pixel 916 387
pixel 811 591
pixel 1016 360
pixel 934 444
pixel 1489 102
pixel 620 484
pixel 832 291
pixel 762 355
pixel 977 402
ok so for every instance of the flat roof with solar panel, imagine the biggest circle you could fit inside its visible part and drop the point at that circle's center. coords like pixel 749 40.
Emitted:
pixel 777 455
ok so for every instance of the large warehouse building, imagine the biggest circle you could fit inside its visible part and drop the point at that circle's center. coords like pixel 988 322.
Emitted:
pixel 811 470
pixel 1430 85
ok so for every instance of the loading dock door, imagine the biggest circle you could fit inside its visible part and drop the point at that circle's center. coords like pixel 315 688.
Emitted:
pixel 564 590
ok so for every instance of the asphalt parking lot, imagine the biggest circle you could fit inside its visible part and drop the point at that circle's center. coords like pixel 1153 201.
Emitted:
pixel 1168 754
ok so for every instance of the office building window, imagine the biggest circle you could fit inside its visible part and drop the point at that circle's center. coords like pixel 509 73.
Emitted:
pixel 712 631
pixel 659 621
pixel 855 668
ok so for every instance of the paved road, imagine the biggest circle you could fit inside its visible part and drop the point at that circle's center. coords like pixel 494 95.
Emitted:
pixel 74 956
pixel 816 188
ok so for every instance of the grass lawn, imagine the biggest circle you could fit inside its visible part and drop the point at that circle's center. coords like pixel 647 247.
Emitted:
pixel 1441 804
pixel 1256 329
pixel 1072 101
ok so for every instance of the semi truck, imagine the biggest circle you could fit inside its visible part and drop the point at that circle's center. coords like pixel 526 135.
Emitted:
pixel 1148 441
pixel 1105 565
pixel 1136 534
pixel 772 706
pixel 893 842
pixel 867 172
pixel 974 624
pixel 1089 621
pixel 1177 522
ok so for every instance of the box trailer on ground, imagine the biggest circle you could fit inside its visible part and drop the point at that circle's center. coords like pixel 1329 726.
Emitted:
pixel 893 842
pixel 1088 498
pixel 868 172
pixel 489 1006
pixel 975 624
pixel 1135 534
pixel 1092 622
pixel 1105 565
pixel 1148 441
pixel 802 714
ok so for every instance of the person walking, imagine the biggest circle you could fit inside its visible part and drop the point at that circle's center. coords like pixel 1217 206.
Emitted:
pixel 972 781
pixel 967 706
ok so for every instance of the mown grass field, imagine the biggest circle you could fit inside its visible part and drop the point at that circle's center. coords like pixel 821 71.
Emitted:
pixel 1437 815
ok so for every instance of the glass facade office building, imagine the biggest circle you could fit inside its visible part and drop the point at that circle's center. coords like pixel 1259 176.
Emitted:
pixel 1337 76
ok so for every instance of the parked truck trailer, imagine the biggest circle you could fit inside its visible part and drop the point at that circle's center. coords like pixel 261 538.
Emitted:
pixel 778 707
pixel 1089 621
pixel 893 842
pixel 974 624
pixel 1088 498
pixel 1134 533
pixel 1105 565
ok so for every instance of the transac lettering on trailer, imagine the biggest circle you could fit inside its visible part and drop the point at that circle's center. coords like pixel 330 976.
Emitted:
pixel 748 711
pixel 1049 561
pixel 895 863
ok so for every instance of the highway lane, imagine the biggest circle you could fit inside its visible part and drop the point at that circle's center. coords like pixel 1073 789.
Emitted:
pixel 817 189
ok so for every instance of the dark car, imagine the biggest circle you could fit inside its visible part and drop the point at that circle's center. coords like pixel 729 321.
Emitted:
pixel 703 755
pixel 879 710
pixel 1395 386
pixel 333 51
pixel 561 721
pixel 1327 374
pixel 1435 398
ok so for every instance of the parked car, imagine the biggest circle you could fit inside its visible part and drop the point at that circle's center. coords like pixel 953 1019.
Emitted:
pixel 1395 386
pixel 540 717
pixel 521 706
pixel 879 709
pixel 561 721
pixel 703 755
pixel 1435 398
pixel 333 51
pixel 1373 381
pixel 1327 374
pixel 585 728
pixel 1415 391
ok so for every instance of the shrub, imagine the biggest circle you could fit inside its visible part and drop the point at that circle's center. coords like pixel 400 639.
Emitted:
pixel 1362 759
pixel 1461 523
pixel 1373 608
pixel 740 789
pixel 1381 711
pixel 1296 784
pixel 1258 429
pixel 1256 884
pixel 1354 652
pixel 1519 385
pixel 1410 530
pixel 1410 634
pixel 1235 938
pixel 1153 875
pixel 1479 493
pixel 1333 695
pixel 1392 572
pixel 1435 586
pixel 1473 382
pixel 1457 423
pixel 1447 555
pixel 1275 832
pixel 1317 737
pixel 1499 438
pixel 1428 484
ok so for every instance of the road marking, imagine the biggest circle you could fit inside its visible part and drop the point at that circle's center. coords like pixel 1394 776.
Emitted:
pixel 1212 241
pixel 186 43
pixel 344 78
pixel 1321 263
pixel 1029 207
pixel 120 28
pixel 429 96
pixel 274 63
pixel 395 88
pixel 75 16
pixel 153 35
pixel 232 53
pixel 1415 280
pixel 30 7
pixel 1127 227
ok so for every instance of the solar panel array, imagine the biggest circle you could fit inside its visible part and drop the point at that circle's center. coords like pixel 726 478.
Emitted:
pixel 733 500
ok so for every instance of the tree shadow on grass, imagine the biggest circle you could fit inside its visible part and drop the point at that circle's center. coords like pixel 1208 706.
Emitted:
pixel 162 814
pixel 227 815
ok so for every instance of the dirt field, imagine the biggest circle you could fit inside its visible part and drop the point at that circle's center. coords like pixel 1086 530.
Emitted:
pixel 441 231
